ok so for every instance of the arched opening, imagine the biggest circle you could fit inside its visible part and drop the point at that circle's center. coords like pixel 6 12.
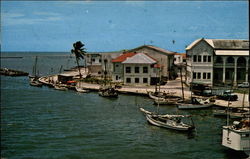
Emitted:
pixel 241 69
pixel 218 59
pixel 230 60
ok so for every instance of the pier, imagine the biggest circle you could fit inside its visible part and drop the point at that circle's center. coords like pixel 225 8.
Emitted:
pixel 173 87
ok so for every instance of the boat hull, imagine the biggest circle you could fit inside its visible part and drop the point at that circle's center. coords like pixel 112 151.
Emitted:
pixel 169 124
pixel 194 106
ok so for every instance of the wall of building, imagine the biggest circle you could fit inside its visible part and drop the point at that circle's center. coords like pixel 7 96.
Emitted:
pixel 141 76
pixel 163 59
pixel 118 69
pixel 200 64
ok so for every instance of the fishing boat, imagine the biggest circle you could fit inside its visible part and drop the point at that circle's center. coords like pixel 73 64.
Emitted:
pixel 107 90
pixel 167 101
pixel 173 122
pixel 233 112
pixel 81 90
pixel 60 87
pixel 34 77
pixel 196 103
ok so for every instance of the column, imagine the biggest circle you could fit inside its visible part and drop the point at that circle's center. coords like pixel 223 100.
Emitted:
pixel 224 70
pixel 235 71
pixel 247 65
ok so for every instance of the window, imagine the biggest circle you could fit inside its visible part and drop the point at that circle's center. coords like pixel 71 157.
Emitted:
pixel 205 58
pixel 116 65
pixel 204 75
pixel 93 60
pixel 137 80
pixel 145 80
pixel 184 60
pixel 230 60
pixel 199 58
pixel 100 60
pixel 194 75
pixel 208 58
pixel 116 77
pixel 198 75
pixel 208 75
pixel 137 70
pixel 128 80
pixel 194 58
pixel 145 69
pixel 128 69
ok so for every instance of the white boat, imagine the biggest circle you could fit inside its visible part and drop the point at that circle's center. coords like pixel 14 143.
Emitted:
pixel 196 103
pixel 60 87
pixel 167 121
pixel 152 96
pixel 237 136
pixel 233 113
pixel 167 101
pixel 35 83
pixel 81 90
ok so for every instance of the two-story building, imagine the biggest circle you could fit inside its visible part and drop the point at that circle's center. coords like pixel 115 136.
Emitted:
pixel 217 61
pixel 135 69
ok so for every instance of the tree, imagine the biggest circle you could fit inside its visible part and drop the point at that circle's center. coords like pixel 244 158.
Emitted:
pixel 79 52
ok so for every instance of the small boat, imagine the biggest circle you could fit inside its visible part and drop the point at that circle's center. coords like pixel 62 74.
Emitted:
pixel 35 83
pixel 60 87
pixel 108 91
pixel 233 113
pixel 34 77
pixel 236 136
pixel 167 101
pixel 196 103
pixel 152 95
pixel 168 121
pixel 81 90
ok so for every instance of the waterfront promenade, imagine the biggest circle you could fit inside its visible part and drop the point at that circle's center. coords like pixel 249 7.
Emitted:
pixel 172 87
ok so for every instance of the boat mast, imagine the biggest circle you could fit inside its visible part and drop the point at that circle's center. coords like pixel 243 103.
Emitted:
pixel 105 72
pixel 229 99
pixel 182 84
pixel 35 67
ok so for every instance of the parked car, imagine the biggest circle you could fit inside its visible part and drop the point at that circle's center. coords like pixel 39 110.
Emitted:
pixel 244 85
pixel 228 96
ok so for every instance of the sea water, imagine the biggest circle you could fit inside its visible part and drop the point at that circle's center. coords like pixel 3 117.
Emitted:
pixel 46 123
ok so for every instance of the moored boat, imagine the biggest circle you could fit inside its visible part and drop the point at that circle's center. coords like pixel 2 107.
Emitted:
pixel 81 90
pixel 195 103
pixel 173 122
pixel 60 87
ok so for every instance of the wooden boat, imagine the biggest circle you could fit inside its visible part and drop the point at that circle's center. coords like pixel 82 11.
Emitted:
pixel 233 113
pixel 108 91
pixel 105 90
pixel 153 96
pixel 36 83
pixel 195 103
pixel 34 77
pixel 167 101
pixel 81 90
pixel 60 87
pixel 168 121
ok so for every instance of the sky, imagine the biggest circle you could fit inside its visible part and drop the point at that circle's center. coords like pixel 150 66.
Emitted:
pixel 53 26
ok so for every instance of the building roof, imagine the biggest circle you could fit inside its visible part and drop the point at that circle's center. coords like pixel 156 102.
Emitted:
pixel 167 52
pixel 139 58
pixel 184 55
pixel 123 57
pixel 223 44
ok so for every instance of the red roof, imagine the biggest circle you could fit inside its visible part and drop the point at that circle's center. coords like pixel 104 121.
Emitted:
pixel 123 57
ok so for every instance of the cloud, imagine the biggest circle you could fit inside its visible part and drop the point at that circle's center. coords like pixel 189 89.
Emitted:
pixel 22 19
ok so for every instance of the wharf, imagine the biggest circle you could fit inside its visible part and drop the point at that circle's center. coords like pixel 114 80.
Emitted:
pixel 173 87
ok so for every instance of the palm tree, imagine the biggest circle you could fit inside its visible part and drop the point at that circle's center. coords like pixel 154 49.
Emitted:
pixel 79 52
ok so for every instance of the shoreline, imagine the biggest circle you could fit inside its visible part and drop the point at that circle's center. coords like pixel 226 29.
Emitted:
pixel 171 87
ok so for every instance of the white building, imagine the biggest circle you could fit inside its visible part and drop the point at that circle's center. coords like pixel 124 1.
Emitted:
pixel 216 61
pixel 135 69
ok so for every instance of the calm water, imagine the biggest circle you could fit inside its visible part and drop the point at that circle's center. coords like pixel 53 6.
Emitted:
pixel 46 123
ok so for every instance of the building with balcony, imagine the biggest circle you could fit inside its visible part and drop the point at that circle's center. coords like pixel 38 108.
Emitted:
pixel 217 61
